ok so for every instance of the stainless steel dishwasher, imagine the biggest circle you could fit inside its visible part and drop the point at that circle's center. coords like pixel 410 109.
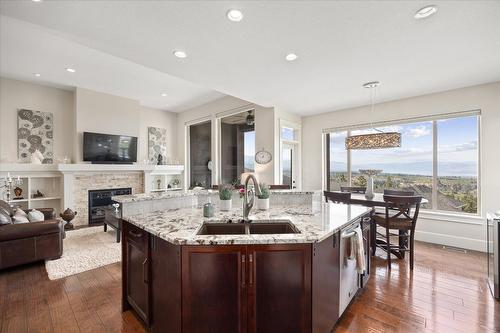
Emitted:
pixel 349 276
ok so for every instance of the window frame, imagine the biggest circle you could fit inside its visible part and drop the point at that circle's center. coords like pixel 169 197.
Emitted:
pixel 296 174
pixel 435 156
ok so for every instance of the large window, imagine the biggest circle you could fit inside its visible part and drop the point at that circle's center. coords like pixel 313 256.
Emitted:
pixel 438 159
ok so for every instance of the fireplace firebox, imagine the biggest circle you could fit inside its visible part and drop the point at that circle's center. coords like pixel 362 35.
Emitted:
pixel 100 200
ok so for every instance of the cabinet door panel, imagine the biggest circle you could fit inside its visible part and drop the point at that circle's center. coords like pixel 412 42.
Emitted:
pixel 213 289
pixel 137 284
pixel 166 280
pixel 280 288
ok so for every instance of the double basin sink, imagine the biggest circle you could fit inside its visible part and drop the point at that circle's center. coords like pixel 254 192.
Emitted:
pixel 262 227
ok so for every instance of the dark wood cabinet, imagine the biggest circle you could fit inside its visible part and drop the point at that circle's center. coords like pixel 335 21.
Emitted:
pixel 279 288
pixel 136 271
pixel 325 284
pixel 248 288
pixel 166 281
pixel 214 289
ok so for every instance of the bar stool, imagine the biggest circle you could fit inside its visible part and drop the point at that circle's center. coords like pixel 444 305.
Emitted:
pixel 398 216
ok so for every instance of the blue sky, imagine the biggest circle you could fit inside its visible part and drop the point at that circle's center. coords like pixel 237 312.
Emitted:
pixel 457 149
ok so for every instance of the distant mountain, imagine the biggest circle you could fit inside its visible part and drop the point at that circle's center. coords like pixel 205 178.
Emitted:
pixel 464 169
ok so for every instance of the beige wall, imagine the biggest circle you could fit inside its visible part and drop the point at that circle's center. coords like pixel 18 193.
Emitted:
pixel 264 128
pixel 157 118
pixel 484 97
pixel 77 112
pixel 104 113
pixel 24 95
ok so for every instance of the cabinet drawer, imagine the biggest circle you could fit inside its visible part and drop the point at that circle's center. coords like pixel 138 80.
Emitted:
pixel 136 235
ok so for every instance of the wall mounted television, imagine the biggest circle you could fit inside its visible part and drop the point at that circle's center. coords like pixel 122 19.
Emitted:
pixel 108 148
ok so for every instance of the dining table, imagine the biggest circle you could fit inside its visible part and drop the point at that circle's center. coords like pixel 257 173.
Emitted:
pixel 378 201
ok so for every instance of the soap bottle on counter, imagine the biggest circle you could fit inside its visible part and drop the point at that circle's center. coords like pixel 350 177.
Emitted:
pixel 208 208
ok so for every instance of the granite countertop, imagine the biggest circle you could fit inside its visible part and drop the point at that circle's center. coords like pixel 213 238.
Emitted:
pixel 178 194
pixel 179 226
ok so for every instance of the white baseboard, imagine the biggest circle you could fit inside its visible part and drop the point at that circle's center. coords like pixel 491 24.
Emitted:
pixel 450 240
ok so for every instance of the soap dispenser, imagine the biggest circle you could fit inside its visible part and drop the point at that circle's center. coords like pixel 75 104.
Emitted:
pixel 208 208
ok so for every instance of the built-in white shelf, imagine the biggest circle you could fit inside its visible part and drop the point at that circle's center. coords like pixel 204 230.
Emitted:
pixel 44 199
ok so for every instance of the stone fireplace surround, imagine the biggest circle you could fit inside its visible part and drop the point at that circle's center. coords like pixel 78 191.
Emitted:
pixel 81 178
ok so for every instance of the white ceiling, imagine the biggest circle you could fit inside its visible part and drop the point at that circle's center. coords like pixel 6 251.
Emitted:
pixel 26 49
pixel 341 44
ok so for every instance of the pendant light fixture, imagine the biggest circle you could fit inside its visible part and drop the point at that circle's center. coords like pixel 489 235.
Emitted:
pixel 250 119
pixel 377 140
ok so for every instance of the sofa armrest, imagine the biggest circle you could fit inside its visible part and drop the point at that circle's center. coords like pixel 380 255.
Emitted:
pixel 32 229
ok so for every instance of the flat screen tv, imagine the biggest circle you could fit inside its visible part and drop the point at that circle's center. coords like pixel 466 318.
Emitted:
pixel 107 148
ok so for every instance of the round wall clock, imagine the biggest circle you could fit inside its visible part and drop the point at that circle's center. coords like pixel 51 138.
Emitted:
pixel 263 157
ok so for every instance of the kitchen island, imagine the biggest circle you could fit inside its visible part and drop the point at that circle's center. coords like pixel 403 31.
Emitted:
pixel 183 274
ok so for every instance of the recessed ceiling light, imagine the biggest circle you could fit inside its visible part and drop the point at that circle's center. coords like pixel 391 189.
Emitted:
pixel 36 0
pixel 426 12
pixel 37 74
pixel 164 95
pixel 180 54
pixel 71 70
pixel 291 57
pixel 234 15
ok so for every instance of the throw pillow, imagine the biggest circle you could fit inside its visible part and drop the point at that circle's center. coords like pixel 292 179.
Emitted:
pixel 20 212
pixel 4 218
pixel 19 218
pixel 35 216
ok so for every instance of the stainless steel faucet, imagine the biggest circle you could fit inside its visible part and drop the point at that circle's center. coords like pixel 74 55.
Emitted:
pixel 247 205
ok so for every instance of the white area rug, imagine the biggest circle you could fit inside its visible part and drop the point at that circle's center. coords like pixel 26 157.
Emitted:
pixel 83 250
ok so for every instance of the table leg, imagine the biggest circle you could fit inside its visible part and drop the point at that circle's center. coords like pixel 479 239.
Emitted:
pixel 105 227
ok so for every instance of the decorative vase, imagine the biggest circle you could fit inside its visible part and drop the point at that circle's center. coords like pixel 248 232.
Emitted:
pixel 67 216
pixel 369 188
pixel 263 204
pixel 226 205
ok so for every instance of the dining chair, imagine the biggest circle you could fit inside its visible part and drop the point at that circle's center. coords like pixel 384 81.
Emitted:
pixel 398 216
pixel 279 187
pixel 353 189
pixel 399 193
pixel 337 197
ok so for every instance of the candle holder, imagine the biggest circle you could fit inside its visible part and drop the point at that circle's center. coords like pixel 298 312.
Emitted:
pixel 8 183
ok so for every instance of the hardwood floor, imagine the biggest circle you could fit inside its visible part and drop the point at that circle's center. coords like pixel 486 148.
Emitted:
pixel 446 292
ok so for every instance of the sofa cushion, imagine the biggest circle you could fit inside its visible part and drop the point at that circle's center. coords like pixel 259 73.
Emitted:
pixel 35 216
pixel 20 212
pixel 5 219
pixel 25 230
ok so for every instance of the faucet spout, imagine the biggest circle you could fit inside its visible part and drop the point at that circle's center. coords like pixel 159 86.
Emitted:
pixel 247 205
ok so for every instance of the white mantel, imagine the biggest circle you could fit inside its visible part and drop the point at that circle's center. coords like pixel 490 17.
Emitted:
pixel 96 176
pixel 87 167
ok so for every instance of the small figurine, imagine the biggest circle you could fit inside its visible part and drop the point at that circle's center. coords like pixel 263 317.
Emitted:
pixel 18 192
pixel 160 159
pixel 38 194
pixel 36 157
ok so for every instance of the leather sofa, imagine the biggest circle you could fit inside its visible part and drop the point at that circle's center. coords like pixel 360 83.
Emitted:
pixel 28 242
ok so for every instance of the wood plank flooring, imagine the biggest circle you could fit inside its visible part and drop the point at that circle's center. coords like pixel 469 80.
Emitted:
pixel 446 292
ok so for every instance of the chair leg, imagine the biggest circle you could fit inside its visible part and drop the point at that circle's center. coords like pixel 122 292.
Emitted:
pixel 373 236
pixel 403 242
pixel 412 249
pixel 388 244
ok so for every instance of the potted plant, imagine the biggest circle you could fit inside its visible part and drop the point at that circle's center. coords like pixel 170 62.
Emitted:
pixel 263 198
pixel 225 197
